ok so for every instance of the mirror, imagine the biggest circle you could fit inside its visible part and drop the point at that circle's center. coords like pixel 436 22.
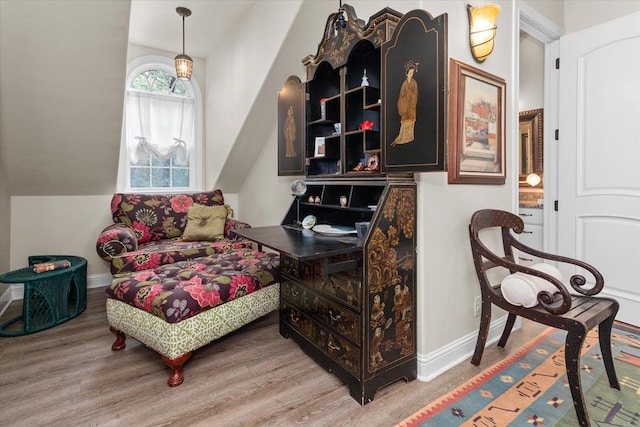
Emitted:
pixel 531 148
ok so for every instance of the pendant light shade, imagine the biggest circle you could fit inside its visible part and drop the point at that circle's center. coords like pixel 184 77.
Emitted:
pixel 184 63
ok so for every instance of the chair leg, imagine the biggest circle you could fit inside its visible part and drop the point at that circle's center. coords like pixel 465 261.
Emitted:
pixel 572 348
pixel 511 319
pixel 604 336
pixel 483 331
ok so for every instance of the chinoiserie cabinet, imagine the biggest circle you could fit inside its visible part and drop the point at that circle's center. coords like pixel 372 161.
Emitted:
pixel 359 114
pixel 352 306
pixel 370 113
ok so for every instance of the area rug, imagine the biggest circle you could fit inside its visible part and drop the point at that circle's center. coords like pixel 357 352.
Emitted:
pixel 530 388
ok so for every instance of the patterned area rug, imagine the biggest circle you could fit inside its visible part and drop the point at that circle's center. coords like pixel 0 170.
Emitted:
pixel 530 388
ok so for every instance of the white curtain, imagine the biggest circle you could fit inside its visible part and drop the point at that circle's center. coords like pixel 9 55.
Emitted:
pixel 161 125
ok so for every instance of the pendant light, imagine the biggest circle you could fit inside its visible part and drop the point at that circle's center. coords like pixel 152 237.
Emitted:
pixel 184 63
pixel 340 22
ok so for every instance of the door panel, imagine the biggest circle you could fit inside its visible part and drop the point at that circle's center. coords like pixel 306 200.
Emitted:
pixel 599 154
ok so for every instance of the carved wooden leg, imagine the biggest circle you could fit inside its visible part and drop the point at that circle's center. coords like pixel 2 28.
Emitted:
pixel 572 348
pixel 119 343
pixel 485 322
pixel 604 336
pixel 511 319
pixel 175 377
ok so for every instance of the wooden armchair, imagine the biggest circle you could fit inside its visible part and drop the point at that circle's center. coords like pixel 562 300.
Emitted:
pixel 576 314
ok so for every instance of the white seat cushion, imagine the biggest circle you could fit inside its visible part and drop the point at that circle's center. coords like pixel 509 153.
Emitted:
pixel 522 289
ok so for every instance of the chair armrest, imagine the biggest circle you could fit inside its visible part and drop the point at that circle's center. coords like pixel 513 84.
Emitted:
pixel 233 224
pixel 577 281
pixel 114 240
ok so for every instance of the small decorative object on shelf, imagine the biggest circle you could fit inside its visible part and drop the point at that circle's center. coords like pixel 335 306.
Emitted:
pixel 310 199
pixel 343 201
pixel 365 79
pixel 337 127
pixel 318 200
pixel 323 108
pixel 366 125
pixel 373 164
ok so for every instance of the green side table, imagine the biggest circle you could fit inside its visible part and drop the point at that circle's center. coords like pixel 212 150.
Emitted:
pixel 50 298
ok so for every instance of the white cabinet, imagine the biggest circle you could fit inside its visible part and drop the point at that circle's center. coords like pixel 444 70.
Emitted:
pixel 532 234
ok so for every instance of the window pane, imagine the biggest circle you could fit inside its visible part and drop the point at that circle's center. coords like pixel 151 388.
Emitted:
pixel 143 160
pixel 141 83
pixel 177 161
pixel 179 89
pixel 160 177
pixel 181 177
pixel 158 162
pixel 139 177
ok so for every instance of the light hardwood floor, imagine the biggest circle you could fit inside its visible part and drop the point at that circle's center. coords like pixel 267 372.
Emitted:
pixel 68 376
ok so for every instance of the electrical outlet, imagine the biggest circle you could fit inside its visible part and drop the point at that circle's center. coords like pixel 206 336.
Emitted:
pixel 477 304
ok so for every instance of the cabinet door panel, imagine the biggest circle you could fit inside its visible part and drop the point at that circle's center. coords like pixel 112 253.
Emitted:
pixel 413 89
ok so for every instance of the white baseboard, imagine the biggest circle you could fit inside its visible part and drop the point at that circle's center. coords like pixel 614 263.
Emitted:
pixel 439 361
pixel 16 291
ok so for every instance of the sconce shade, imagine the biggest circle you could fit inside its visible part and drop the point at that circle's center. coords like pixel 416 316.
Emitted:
pixel 534 179
pixel 482 30
pixel 184 63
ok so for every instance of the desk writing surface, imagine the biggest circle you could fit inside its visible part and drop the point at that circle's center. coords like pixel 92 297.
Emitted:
pixel 299 243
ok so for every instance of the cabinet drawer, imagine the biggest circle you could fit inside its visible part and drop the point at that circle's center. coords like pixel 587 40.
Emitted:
pixel 343 286
pixel 323 310
pixel 532 237
pixel 338 349
pixel 531 215
pixel 305 272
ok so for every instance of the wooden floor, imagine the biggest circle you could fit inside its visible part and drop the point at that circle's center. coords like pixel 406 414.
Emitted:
pixel 68 376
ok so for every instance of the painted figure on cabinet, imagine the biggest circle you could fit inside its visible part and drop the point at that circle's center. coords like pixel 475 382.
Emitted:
pixel 290 131
pixel 407 102
pixel 290 134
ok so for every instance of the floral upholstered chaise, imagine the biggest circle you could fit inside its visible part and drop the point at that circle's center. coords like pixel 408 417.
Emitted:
pixel 148 231
pixel 177 308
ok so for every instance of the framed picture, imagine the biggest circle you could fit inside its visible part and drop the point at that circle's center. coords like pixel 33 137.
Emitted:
pixel 319 147
pixel 414 87
pixel 291 126
pixel 476 126
pixel 531 145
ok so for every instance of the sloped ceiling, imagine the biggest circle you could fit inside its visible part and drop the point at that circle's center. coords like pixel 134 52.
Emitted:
pixel 62 76
pixel 156 24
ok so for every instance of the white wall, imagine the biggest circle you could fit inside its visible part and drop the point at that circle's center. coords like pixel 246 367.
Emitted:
pixel 239 111
pixel 59 225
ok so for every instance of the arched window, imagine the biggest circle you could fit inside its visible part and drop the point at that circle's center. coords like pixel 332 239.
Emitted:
pixel 161 147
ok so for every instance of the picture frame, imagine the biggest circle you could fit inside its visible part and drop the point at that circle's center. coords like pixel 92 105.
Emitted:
pixel 477 101
pixel 530 140
pixel 319 149
pixel 291 129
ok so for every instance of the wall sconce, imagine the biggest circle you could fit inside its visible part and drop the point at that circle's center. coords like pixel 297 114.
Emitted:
pixel 184 63
pixel 482 29
pixel 534 179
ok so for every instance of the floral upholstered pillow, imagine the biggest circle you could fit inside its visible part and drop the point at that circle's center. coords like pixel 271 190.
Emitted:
pixel 205 223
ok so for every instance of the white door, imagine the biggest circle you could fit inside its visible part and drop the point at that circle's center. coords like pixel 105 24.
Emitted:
pixel 599 156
